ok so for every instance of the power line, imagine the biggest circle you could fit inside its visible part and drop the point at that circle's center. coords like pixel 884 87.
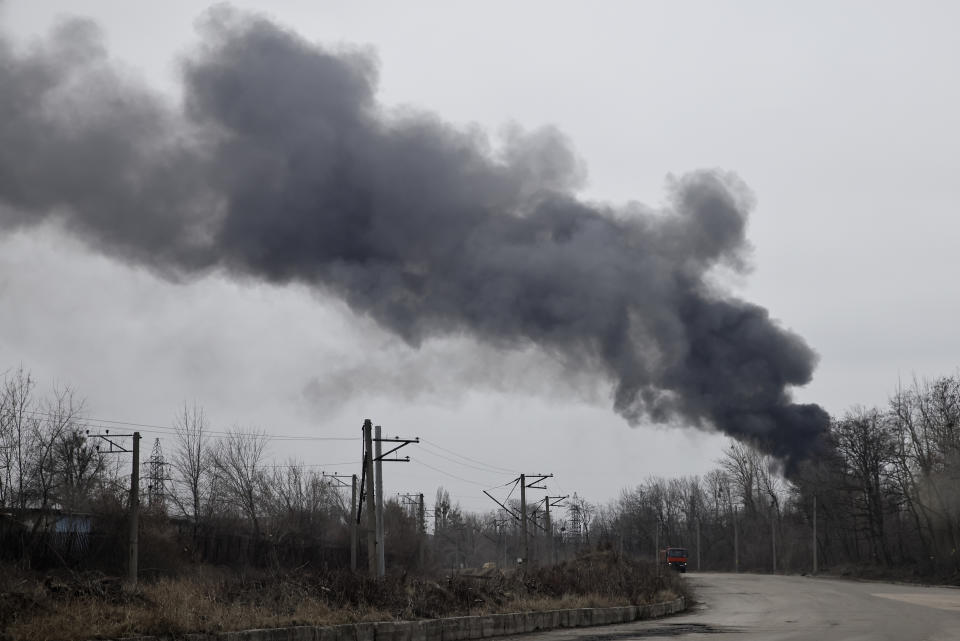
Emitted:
pixel 485 469
pixel 467 458
pixel 168 430
pixel 459 478
pixel 281 465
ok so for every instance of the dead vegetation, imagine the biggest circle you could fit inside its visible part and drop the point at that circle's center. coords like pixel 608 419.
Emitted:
pixel 92 606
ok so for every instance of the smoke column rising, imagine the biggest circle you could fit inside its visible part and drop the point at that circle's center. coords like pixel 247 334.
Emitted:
pixel 282 166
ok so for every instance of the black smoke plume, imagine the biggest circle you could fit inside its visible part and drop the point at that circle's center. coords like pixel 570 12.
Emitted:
pixel 281 165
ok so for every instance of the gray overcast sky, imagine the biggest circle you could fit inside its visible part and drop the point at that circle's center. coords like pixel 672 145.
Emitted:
pixel 840 116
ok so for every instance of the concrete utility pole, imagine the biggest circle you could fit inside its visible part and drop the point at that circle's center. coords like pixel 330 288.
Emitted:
pixel 736 533
pixel 422 517
pixel 523 517
pixel 422 529
pixel 698 544
pixel 549 528
pixel 354 530
pixel 338 480
pixel 773 542
pixel 371 499
pixel 656 548
pixel 736 542
pixel 814 533
pixel 413 505
pixel 537 478
pixel 552 501
pixel 381 562
pixel 379 565
pixel 502 532
pixel 773 534
pixel 116 447
pixel 133 541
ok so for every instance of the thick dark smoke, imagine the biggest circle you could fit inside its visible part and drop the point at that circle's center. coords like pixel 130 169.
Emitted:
pixel 282 166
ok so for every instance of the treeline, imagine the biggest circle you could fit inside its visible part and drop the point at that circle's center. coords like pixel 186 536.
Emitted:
pixel 889 494
pixel 885 494
pixel 46 461
pixel 64 491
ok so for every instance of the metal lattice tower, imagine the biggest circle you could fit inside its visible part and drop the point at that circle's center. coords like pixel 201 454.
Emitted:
pixel 576 518
pixel 156 477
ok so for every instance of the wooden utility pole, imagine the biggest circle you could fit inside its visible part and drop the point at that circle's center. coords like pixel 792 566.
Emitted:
pixel 354 530
pixel 133 540
pixel 371 499
pixel 381 562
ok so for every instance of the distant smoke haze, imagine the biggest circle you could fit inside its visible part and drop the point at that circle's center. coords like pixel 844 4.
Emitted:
pixel 446 370
pixel 281 166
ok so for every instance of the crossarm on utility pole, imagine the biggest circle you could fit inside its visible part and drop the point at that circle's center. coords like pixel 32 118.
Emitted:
pixel 402 443
pixel 537 478
pixel 505 508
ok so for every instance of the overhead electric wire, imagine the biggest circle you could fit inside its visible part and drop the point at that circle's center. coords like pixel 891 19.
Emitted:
pixel 511 481
pixel 169 431
pixel 467 458
pixel 451 475
pixel 166 429
pixel 485 470
pixel 340 464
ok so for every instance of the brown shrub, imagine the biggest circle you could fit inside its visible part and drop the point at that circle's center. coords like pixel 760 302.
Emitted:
pixel 205 599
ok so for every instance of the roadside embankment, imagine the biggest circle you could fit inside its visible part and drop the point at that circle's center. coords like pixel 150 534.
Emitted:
pixel 464 628
pixel 597 587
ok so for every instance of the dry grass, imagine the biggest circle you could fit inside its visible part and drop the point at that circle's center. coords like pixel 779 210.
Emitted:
pixel 91 607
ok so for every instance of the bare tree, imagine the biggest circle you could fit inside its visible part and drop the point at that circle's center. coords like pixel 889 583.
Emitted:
pixel 18 420
pixel 926 421
pixel 59 419
pixel 80 468
pixel 239 472
pixel 866 442
pixel 303 503
pixel 742 463
pixel 192 463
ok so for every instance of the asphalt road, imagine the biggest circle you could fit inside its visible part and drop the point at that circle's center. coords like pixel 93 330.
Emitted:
pixel 755 607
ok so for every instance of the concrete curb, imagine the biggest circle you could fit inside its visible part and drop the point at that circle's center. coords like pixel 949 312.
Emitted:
pixel 449 629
